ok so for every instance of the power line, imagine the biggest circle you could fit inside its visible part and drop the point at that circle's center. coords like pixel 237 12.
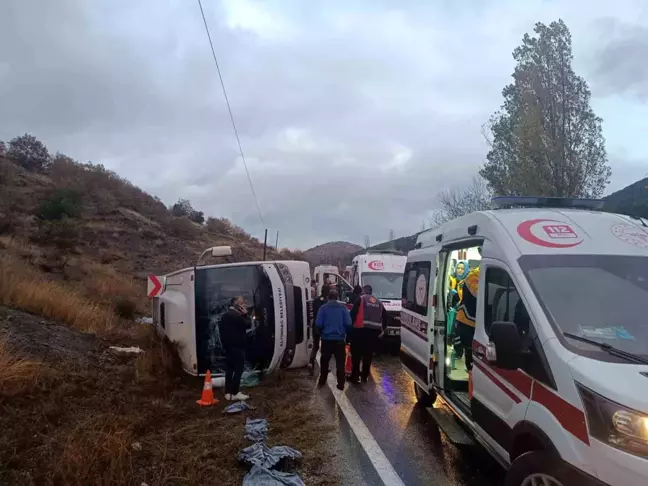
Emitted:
pixel 229 109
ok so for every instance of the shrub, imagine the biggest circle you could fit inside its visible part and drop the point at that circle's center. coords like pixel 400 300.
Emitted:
pixel 29 153
pixel 3 149
pixel 182 228
pixel 197 217
pixel 63 234
pixel 16 374
pixel 61 204
pixel 182 208
pixel 125 308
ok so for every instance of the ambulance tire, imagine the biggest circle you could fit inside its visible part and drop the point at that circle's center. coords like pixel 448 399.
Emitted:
pixel 424 398
pixel 539 463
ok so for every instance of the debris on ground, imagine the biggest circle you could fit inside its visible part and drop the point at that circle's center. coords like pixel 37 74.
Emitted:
pixel 144 320
pixel 256 429
pixel 259 454
pixel 130 351
pixel 261 476
pixel 238 407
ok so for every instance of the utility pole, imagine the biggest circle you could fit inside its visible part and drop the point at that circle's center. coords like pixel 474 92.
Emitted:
pixel 391 235
pixel 265 244
pixel 277 241
pixel 367 241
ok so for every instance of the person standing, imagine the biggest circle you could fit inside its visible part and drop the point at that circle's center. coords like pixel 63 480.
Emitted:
pixel 233 327
pixel 317 303
pixel 467 312
pixel 369 321
pixel 334 322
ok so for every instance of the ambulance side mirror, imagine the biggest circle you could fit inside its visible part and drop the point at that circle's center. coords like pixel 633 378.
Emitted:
pixel 506 338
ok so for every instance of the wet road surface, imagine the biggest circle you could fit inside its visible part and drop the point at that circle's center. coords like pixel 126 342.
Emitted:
pixel 418 452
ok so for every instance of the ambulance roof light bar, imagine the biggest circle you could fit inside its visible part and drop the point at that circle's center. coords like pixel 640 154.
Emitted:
pixel 384 252
pixel 504 202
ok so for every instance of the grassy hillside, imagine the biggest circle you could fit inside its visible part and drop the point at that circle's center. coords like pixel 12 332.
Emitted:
pixel 76 244
pixel 632 200
pixel 84 224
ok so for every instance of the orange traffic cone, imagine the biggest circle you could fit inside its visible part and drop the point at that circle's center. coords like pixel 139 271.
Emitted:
pixel 207 397
pixel 348 364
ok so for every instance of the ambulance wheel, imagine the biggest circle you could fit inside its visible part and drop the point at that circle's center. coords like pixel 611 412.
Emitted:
pixel 539 467
pixel 424 398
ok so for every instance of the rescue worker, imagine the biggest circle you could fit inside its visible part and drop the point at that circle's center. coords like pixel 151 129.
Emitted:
pixel 317 304
pixel 369 322
pixel 467 312
pixel 458 276
pixel 232 328
pixel 334 322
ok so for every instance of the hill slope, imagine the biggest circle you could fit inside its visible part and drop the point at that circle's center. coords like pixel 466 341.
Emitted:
pixel 335 252
pixel 82 223
pixel 632 200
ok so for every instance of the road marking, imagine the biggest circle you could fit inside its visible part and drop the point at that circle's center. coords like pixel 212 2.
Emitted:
pixel 376 455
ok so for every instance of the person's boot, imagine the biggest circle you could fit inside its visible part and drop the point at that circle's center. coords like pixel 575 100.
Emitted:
pixel 311 367
pixel 340 386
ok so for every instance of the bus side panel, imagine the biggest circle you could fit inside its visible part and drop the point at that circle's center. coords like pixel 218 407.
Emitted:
pixel 280 324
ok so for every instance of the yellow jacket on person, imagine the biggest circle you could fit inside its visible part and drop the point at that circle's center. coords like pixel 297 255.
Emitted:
pixel 467 309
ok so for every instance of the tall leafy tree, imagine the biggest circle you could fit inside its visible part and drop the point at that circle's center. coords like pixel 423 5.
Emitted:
pixel 545 139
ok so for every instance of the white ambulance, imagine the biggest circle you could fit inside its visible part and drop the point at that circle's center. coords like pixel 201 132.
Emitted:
pixel 192 301
pixel 383 270
pixel 559 388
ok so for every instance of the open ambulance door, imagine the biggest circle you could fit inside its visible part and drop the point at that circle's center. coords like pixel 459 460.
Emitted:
pixel 419 286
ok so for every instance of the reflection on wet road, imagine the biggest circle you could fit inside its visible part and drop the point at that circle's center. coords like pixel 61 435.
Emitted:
pixel 417 450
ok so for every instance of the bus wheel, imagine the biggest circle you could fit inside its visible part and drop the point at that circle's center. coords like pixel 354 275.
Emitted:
pixel 539 467
pixel 424 398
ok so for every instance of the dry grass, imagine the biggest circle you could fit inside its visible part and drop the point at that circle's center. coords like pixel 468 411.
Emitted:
pixel 16 373
pixel 24 288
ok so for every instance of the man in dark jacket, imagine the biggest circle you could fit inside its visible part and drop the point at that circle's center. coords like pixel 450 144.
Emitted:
pixel 232 327
pixel 333 321
pixel 317 303
pixel 369 318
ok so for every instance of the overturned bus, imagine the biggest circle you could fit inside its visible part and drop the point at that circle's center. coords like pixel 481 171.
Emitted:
pixel 189 304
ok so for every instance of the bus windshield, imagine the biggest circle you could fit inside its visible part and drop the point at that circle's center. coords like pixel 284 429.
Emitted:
pixel 384 285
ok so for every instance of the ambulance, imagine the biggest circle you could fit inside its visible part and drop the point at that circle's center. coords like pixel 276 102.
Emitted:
pixel 191 302
pixel 323 274
pixel 558 391
pixel 383 270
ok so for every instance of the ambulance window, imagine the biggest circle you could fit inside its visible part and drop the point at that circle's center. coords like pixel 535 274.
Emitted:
pixel 416 285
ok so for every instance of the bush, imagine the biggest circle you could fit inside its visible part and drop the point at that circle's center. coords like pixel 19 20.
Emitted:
pixel 182 208
pixel 63 234
pixel 61 204
pixel 197 217
pixel 125 308
pixel 3 149
pixel 182 228
pixel 29 153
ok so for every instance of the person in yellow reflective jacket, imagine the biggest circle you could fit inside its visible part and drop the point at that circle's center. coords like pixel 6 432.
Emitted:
pixel 467 312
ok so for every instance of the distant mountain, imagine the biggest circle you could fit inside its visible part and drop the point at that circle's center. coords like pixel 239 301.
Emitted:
pixel 631 200
pixel 335 252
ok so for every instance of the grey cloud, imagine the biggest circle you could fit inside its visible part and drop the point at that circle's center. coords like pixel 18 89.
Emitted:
pixel 352 117
pixel 618 65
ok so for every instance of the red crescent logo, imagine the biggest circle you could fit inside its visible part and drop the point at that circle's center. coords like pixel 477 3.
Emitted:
pixel 555 230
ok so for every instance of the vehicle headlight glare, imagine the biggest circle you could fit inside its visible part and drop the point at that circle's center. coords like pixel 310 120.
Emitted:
pixel 614 424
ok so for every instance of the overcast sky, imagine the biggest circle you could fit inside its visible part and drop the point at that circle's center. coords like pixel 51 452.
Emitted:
pixel 352 114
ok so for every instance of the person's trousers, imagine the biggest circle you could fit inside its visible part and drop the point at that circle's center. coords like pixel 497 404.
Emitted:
pixel 338 350
pixel 234 363
pixel 466 334
pixel 363 345
pixel 316 344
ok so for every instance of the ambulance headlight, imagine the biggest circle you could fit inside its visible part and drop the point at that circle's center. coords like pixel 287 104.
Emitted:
pixel 614 424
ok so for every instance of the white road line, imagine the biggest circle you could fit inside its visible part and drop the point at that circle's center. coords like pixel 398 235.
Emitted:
pixel 376 455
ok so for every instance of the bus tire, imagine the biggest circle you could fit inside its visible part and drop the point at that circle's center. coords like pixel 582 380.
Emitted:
pixel 539 464
pixel 424 398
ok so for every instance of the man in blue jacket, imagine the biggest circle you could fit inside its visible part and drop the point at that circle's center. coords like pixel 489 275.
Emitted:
pixel 333 321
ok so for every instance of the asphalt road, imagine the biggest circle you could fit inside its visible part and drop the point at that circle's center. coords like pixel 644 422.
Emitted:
pixel 412 444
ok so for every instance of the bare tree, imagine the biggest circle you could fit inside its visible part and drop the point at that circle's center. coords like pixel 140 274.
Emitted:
pixel 458 201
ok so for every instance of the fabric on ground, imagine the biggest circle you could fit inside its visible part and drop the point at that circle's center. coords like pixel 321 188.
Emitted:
pixel 237 407
pixel 261 476
pixel 259 454
pixel 256 429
